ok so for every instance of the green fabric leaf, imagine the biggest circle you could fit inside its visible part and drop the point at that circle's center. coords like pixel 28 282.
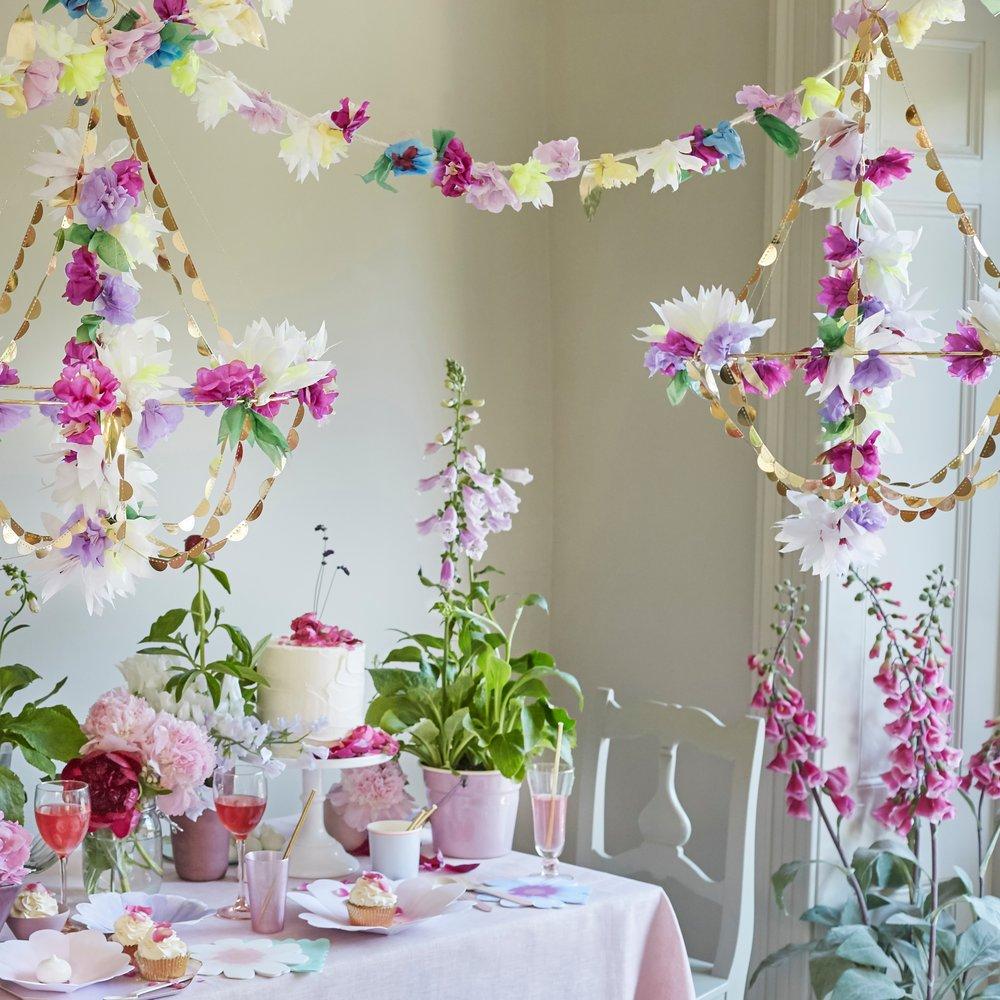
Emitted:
pixel 592 203
pixel 231 425
pixel 109 250
pixel 78 233
pixel 12 796
pixel 440 139
pixel 677 387
pixel 49 4
pixel 379 173
pixel 782 135
pixel 127 21
pixel 831 332
pixel 863 984
pixel 978 946
pixel 268 438
pixel 86 332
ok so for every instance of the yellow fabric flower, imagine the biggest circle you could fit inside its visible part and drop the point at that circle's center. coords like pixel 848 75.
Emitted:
pixel 612 173
pixel 184 73
pixel 912 27
pixel 530 182
pixel 311 144
pixel 819 97
pixel 84 72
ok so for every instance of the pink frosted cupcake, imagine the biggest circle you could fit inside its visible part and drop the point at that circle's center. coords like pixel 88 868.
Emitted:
pixel 35 909
pixel 372 903
pixel 131 927
pixel 161 955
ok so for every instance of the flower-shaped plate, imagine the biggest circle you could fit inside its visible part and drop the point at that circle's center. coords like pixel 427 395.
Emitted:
pixel 244 958
pixel 92 959
pixel 105 908
pixel 417 899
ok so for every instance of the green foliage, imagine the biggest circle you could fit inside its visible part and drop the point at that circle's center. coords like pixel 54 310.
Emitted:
pixel 109 250
pixel 782 135
pixel 261 432
pixel 592 203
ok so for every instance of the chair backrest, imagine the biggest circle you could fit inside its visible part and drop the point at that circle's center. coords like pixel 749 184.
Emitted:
pixel 663 823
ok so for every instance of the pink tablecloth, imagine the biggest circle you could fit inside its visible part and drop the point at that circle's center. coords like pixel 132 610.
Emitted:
pixel 624 943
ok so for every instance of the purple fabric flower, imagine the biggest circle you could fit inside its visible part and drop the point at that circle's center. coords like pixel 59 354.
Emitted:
pixel 709 156
pixel 814 370
pixel 562 156
pixel 838 248
pixel 320 396
pixel 772 373
pixel 157 422
pixel 835 289
pixel 453 172
pixel 129 175
pixel 347 121
pixel 84 284
pixel 871 305
pixel 170 8
pixel 41 82
pixel 719 344
pixel 490 191
pixel 227 384
pixel 8 375
pixel 11 416
pixel 90 545
pixel 127 50
pixel 118 300
pixel 866 515
pixel 787 108
pixel 667 356
pixel 968 359
pixel 262 113
pixel 845 170
pixel 873 373
pixel 835 407
pixel 892 165
pixel 103 202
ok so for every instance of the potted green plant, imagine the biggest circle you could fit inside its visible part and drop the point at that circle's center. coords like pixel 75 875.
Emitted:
pixel 463 701
pixel 42 733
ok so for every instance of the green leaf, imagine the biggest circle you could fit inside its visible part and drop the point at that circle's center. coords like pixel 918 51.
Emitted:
pixel 268 438
pixel 783 878
pixel 127 21
pixel 221 578
pixel 506 757
pixel 239 641
pixel 978 946
pixel 14 678
pixel 861 948
pixel 986 908
pixel 823 916
pixel 863 984
pixel 592 203
pixel 495 671
pixel 388 680
pixel 231 425
pixel 780 133
pixel 51 730
pixel 86 332
pixel 78 233
pixel 825 969
pixel 160 651
pixel 109 250
pixel 988 855
pixel 405 654
pixel 832 333
pixel 440 138
pixel 39 761
pixel 49 4
pixel 12 796
pixel 535 601
pixel 201 609
pixel 379 173
pixel 951 889
pixel 782 955
pixel 166 625
pixel 677 388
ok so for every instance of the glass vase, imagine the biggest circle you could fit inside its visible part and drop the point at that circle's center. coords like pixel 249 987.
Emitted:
pixel 126 864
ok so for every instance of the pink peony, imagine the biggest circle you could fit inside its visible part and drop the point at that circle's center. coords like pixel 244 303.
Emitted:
pixel 183 758
pixel 363 741
pixel 15 846
pixel 118 721
pixel 308 630
pixel 371 793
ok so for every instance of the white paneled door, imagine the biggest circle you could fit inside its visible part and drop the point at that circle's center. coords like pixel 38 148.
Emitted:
pixel 954 80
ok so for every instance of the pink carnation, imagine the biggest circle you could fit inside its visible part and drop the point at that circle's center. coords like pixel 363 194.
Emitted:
pixel 15 846
pixel 118 721
pixel 371 793
pixel 183 758
pixel 363 741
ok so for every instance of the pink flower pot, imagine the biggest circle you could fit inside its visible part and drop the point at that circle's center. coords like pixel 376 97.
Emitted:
pixel 350 839
pixel 477 822
pixel 200 847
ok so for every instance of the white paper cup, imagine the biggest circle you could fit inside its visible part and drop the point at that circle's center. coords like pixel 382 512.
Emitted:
pixel 395 851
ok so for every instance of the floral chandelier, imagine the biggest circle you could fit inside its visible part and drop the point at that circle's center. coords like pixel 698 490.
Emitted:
pixel 870 332
pixel 115 398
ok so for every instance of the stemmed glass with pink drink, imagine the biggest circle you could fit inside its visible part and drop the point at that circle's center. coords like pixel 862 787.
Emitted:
pixel 550 783
pixel 240 794
pixel 62 814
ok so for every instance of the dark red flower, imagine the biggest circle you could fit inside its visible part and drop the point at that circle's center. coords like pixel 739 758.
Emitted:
pixel 115 791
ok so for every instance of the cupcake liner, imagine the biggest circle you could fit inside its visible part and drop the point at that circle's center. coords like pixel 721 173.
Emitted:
pixel 23 927
pixel 370 916
pixel 160 970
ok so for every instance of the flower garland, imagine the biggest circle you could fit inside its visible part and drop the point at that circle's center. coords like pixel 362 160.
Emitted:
pixel 870 327
pixel 180 34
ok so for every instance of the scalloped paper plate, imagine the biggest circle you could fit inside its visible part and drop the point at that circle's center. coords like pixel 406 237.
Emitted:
pixel 92 959
pixel 417 899
pixel 105 908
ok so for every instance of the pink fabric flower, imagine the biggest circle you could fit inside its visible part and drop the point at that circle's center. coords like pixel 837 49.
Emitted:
pixel 86 390
pixel 367 794
pixel 489 190
pixel 84 284
pixel 350 121
pixel 41 83
pixel 787 108
pixel 453 172
pixel 262 113
pixel 842 457
pixel 183 759
pixel 8 375
pixel 227 384
pixel 562 156
pixel 892 165
pixel 364 741
pixel 15 846
pixel 707 154
pixel 308 630
pixel 973 367
pixel 118 721
pixel 772 373
pixel 127 50
pixel 838 248
pixel 835 291
pixel 129 175
pixel 320 396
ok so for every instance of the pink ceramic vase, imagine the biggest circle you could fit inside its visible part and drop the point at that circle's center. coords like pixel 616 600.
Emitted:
pixel 200 848
pixel 346 835
pixel 477 821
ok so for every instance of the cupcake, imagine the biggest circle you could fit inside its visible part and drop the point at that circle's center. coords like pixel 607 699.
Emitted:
pixel 161 955
pixel 35 909
pixel 131 927
pixel 372 903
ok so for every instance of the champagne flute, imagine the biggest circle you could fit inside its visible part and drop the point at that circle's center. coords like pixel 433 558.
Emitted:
pixel 550 783
pixel 62 812
pixel 240 793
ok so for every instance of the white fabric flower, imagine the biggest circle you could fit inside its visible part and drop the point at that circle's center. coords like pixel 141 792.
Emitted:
pixel 984 312
pixel 244 958
pixel 697 316
pixel 57 42
pixel 885 261
pixel 311 144
pixel 229 22
pixel 137 355
pixel 217 95
pixel 277 10
pixel 93 483
pixel 827 540
pixel 666 162
pixel 60 168
pixel 139 237
pixel 915 21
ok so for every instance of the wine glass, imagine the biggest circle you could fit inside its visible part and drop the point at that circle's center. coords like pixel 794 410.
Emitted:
pixel 550 783
pixel 240 793
pixel 62 812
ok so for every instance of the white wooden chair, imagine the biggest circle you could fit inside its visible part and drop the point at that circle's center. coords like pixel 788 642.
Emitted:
pixel 666 828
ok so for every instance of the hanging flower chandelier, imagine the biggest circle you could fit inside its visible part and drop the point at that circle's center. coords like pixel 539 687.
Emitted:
pixel 115 399
pixel 870 331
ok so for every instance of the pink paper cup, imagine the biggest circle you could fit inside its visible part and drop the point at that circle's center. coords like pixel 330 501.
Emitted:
pixel 267 885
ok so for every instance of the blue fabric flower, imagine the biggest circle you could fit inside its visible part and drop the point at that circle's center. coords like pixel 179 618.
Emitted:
pixel 410 157
pixel 544 893
pixel 166 55
pixel 726 140
pixel 77 8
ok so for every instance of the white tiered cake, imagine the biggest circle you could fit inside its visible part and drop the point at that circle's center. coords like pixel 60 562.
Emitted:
pixel 314 673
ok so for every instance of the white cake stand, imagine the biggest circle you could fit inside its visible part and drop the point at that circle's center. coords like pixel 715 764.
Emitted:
pixel 316 854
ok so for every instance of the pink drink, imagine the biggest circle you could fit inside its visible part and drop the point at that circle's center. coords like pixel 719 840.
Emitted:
pixel 239 814
pixel 62 825
pixel 549 814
